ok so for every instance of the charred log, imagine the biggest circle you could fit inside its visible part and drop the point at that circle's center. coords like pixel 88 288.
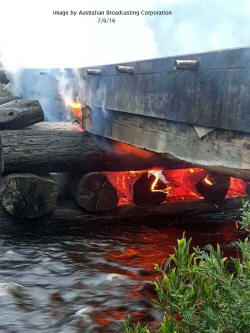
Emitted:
pixel 181 208
pixel 142 192
pixel 95 193
pixel 28 195
pixel 213 187
pixel 64 147
pixel 19 114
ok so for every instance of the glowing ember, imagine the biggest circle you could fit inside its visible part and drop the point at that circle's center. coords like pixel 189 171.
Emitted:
pixel 158 176
pixel 208 181
pixel 74 106
pixel 237 187
pixel 179 184
pixel 121 148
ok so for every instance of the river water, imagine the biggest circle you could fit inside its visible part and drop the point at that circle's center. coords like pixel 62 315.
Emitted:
pixel 78 278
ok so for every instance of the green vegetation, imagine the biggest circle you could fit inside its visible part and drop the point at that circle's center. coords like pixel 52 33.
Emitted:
pixel 202 291
pixel 245 216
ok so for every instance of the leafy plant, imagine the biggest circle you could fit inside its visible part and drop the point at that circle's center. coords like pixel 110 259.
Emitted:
pixel 245 215
pixel 202 291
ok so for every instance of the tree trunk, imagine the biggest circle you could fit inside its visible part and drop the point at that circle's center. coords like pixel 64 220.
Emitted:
pixel 28 195
pixel 19 114
pixel 94 192
pixel 65 147
pixel 213 187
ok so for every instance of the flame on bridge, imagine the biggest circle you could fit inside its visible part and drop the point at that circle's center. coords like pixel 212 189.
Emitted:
pixel 74 107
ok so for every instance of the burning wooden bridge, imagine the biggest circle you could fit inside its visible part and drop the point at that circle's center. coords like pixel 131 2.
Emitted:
pixel 162 134
pixel 194 108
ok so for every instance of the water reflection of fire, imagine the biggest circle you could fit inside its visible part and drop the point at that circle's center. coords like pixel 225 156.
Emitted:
pixel 178 185
pixel 74 107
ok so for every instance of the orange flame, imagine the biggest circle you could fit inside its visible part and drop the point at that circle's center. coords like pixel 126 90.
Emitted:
pixel 158 176
pixel 74 106
pixel 178 184
pixel 123 148
pixel 208 181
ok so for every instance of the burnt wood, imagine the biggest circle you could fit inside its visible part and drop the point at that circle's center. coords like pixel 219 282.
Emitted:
pixel 28 195
pixel 181 208
pixel 216 94
pixel 213 187
pixel 70 216
pixel 220 151
pixel 94 192
pixel 142 193
pixel 18 114
pixel 65 147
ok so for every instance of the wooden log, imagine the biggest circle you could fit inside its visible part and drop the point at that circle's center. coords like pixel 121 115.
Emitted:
pixel 63 181
pixel 28 195
pixel 94 192
pixel 65 147
pixel 69 212
pixel 213 187
pixel 18 114
pixel 143 194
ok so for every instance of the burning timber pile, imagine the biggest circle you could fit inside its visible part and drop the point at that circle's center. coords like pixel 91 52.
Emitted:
pixel 43 163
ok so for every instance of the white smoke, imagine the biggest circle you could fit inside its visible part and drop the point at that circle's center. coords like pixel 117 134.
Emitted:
pixel 202 25
pixel 30 36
